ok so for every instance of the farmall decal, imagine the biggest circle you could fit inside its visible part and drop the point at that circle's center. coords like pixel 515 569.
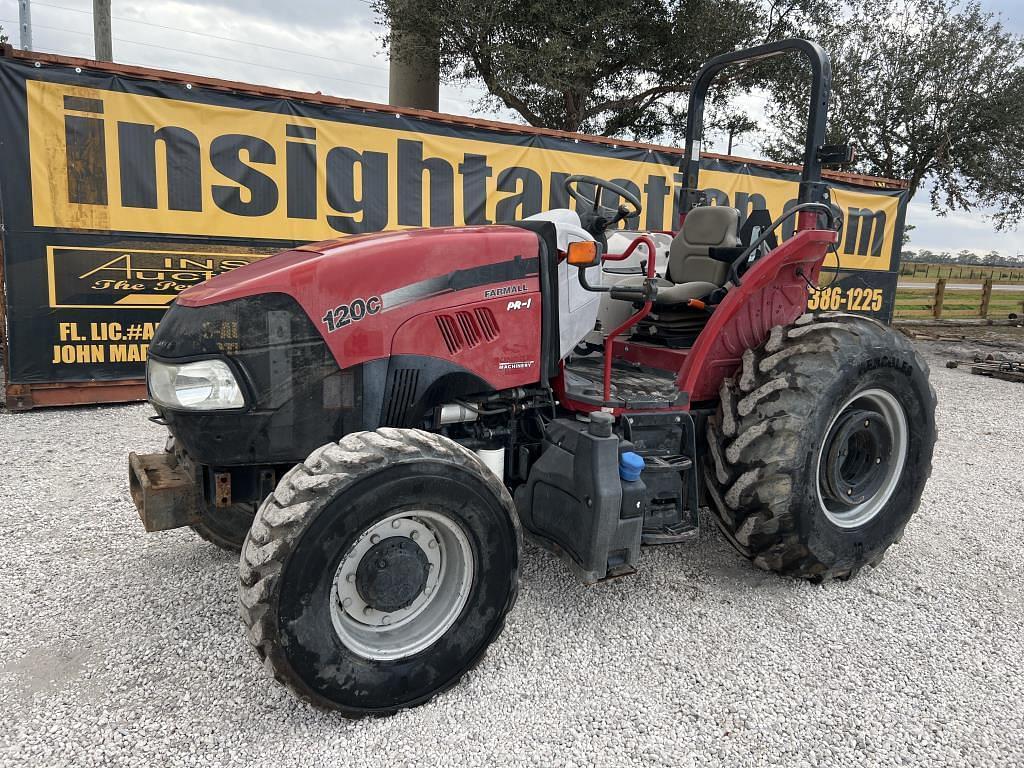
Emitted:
pixel 505 290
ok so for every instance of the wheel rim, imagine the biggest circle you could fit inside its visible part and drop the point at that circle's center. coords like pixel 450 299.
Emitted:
pixel 401 585
pixel 862 457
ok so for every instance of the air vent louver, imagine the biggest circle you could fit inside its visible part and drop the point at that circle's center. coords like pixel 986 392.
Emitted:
pixel 465 330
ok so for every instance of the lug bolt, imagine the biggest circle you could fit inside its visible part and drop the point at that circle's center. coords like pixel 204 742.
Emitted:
pixel 367 611
pixel 346 602
pixel 374 539
pixel 866 422
pixel 396 523
pixel 386 620
pixel 414 535
pixel 350 578
pixel 849 491
pixel 432 543
pixel 427 590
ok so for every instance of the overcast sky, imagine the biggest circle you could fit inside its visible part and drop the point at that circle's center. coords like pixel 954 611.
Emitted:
pixel 333 46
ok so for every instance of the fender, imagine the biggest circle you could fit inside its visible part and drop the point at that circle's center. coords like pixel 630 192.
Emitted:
pixel 771 293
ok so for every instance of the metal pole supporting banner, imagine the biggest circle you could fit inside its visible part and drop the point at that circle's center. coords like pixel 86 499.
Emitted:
pixel 25 24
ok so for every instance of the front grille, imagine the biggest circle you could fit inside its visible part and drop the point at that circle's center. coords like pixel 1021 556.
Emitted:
pixel 401 396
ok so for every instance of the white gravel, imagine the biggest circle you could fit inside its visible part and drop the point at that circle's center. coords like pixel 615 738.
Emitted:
pixel 119 647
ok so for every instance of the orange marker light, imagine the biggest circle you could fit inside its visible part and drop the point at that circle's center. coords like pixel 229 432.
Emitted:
pixel 582 253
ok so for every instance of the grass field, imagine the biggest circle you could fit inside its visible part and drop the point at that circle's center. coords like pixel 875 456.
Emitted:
pixel 961 272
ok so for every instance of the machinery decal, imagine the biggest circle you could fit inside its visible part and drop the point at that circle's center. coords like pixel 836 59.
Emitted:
pixel 353 312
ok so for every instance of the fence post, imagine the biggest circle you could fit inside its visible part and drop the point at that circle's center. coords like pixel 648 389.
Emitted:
pixel 986 296
pixel 940 294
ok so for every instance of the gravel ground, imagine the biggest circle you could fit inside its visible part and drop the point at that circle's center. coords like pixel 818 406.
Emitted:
pixel 122 648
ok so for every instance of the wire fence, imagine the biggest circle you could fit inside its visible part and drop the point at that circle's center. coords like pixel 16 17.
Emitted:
pixel 913 269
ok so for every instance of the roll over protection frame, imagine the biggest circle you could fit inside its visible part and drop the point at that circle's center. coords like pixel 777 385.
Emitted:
pixel 812 190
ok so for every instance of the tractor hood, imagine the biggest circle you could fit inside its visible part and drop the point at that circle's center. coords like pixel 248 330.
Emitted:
pixel 356 292
pixel 378 263
pixel 322 336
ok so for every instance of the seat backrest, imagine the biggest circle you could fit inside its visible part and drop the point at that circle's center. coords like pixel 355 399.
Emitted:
pixel 704 227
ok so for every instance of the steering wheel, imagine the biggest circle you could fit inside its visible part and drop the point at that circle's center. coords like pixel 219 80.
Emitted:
pixel 595 221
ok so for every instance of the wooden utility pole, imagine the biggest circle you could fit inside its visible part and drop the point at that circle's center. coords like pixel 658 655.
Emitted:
pixel 101 30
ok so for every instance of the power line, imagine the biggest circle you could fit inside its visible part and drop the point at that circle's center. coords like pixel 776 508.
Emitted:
pixel 209 56
pixel 228 59
pixel 215 37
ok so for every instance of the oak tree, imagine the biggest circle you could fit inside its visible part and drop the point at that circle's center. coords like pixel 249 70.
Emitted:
pixel 617 68
pixel 931 91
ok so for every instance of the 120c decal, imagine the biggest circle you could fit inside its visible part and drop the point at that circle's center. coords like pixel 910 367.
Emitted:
pixel 353 312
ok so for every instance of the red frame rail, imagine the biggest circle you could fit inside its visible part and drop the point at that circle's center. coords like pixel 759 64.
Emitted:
pixel 632 319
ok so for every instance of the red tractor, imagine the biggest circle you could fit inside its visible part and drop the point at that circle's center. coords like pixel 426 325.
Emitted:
pixel 375 422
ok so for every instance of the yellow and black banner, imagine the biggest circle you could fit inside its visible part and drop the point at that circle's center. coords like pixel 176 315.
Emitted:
pixel 120 191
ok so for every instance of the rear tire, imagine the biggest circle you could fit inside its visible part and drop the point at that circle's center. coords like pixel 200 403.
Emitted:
pixel 821 446
pixel 379 571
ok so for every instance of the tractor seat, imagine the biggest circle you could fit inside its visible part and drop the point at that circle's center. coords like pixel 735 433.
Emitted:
pixel 692 273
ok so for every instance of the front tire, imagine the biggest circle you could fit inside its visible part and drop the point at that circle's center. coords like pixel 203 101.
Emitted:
pixel 821 447
pixel 379 571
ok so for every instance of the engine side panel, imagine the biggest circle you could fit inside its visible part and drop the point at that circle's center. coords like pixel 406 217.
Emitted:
pixel 498 339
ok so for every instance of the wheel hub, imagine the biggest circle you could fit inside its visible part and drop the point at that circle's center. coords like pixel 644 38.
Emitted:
pixel 861 459
pixel 402 584
pixel 859 448
pixel 392 574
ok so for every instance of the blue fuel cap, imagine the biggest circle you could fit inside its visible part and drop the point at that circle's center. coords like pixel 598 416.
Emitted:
pixel 630 466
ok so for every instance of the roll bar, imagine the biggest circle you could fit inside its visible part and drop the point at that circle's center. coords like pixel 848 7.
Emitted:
pixel 812 190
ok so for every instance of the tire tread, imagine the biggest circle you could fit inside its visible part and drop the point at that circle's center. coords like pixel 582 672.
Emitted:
pixel 748 468
pixel 300 495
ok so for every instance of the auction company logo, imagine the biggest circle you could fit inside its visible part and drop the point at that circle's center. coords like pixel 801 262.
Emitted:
pixel 90 278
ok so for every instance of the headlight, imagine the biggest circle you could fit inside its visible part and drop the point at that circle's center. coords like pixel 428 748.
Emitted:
pixel 205 385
